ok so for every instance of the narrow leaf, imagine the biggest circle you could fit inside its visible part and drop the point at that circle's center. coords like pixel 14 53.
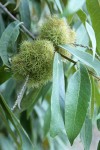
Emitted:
pixel 77 101
pixel 92 37
pixel 94 11
pixel 56 125
pixel 59 5
pixel 47 119
pixel 82 15
pixel 92 97
pixel 4 41
pixel 14 120
pixel 86 133
pixel 74 4
pixel 25 13
pixel 84 57
pixel 98 148
pixel 17 4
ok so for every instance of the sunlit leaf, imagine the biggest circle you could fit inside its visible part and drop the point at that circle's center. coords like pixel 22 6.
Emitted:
pixel 74 5
pixel 82 15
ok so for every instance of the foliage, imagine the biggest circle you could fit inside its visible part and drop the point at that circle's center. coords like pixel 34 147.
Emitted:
pixel 52 115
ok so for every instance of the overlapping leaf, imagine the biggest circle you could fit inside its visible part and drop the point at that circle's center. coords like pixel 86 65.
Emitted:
pixel 6 38
pixel 77 101
pixel 84 57
pixel 56 125
pixel 94 11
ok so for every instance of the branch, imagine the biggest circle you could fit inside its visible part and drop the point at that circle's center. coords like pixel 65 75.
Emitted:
pixel 15 19
pixel 71 60
pixel 75 62
pixel 90 48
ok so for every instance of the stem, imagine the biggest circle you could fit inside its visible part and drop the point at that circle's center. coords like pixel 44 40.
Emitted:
pixel 15 19
pixel 90 48
pixel 71 60
pixel 75 62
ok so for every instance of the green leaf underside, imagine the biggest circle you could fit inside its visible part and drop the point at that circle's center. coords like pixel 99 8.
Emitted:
pixel 5 39
pixel 94 11
pixel 77 101
pixel 84 57
pixel 56 125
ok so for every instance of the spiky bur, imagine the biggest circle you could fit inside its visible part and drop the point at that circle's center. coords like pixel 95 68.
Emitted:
pixel 59 32
pixel 36 60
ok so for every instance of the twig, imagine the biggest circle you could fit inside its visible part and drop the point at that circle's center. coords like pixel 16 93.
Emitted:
pixel 90 48
pixel 90 72
pixel 15 19
pixel 75 62
pixel 71 60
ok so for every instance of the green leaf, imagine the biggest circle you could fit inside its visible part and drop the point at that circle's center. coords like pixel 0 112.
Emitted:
pixel 4 75
pixel 17 4
pixel 98 119
pixel 47 119
pixel 5 39
pixel 74 4
pixel 25 13
pixel 92 37
pixel 84 57
pixel 82 15
pixel 2 25
pixel 98 124
pixel 98 148
pixel 59 5
pixel 13 38
pixel 99 2
pixel 15 122
pixel 86 133
pixel 77 101
pixel 2 116
pixel 40 92
pixel 82 37
pixel 97 95
pixel 94 11
pixel 36 4
pixel 6 143
pixel 56 125
pixel 91 109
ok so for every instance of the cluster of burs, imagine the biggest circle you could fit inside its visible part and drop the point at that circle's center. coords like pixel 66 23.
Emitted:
pixel 35 58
